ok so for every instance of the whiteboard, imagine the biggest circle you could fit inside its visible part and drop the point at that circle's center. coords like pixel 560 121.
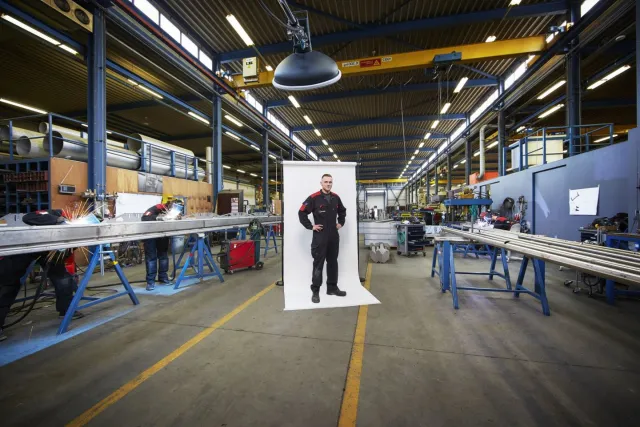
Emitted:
pixel 584 201
pixel 302 179
pixel 135 203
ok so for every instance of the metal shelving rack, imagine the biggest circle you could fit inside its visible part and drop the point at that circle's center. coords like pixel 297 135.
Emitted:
pixel 18 196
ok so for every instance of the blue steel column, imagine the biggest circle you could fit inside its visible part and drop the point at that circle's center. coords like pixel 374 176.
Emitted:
pixel 573 113
pixel 501 133
pixel 426 176
pixel 637 64
pixel 97 105
pixel 448 171
pixel 265 166
pixel 467 152
pixel 216 142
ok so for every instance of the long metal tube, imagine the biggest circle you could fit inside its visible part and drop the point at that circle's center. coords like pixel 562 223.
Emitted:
pixel 17 134
pixel 134 144
pixel 597 270
pixel 44 128
pixel 482 159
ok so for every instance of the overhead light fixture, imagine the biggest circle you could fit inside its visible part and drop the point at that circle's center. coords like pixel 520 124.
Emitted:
pixel 240 170
pixel 551 89
pixel 304 69
pixel 307 119
pixel 413 157
pixel 445 108
pixel 317 132
pixel 294 101
pixel 273 180
pixel 199 117
pixel 30 29
pixel 491 39
pixel 68 49
pixel 409 162
pixel 550 111
pixel 456 165
pixel 416 152
pixel 339 161
pixel 335 155
pixel 24 107
pixel 232 135
pixel 421 145
pixel 433 126
pixel 238 28
pixel 157 95
pixel 255 147
pixel 550 37
pixel 462 162
pixel 493 144
pixel 269 68
pixel 226 167
pixel 273 157
pixel 331 149
pixel 324 141
pixel 609 76
pixel 461 83
pixel 514 2
pixel 253 174
pixel 520 129
pixel 233 120
pixel 476 154
pixel 605 138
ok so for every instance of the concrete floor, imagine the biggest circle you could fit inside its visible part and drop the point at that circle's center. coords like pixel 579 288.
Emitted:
pixel 496 361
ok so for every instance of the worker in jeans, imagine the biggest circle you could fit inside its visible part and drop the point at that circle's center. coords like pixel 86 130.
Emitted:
pixel 156 251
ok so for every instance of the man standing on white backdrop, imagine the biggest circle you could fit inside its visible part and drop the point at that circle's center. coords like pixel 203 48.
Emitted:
pixel 326 207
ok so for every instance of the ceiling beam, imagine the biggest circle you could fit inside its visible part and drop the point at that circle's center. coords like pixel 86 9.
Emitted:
pixel 391 29
pixel 368 92
pixel 366 152
pixel 419 59
pixel 434 135
pixel 380 120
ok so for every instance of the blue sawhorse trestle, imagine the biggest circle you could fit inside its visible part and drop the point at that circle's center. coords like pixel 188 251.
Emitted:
pixel 615 241
pixel 474 248
pixel 97 252
pixel 443 265
pixel 269 236
pixel 198 256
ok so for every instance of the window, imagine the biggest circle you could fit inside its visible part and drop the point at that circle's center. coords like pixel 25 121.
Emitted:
pixel 299 142
pixel 169 28
pixel 146 8
pixel 259 106
pixel 515 76
pixel 313 155
pixel 586 6
pixel 206 60
pixel 188 44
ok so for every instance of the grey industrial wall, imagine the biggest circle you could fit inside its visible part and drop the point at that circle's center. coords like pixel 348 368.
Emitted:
pixel 546 188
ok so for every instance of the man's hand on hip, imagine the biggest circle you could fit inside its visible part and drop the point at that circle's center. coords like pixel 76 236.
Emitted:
pixel 338 226
pixel 317 227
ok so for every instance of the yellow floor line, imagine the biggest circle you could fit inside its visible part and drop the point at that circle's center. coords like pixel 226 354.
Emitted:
pixel 131 385
pixel 349 409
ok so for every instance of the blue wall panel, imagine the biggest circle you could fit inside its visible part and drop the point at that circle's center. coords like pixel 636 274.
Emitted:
pixel 546 188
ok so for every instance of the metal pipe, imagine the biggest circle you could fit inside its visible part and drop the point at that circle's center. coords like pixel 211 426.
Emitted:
pixel 15 136
pixel 482 162
pixel 44 128
pixel 133 142
pixel 596 270
pixel 209 158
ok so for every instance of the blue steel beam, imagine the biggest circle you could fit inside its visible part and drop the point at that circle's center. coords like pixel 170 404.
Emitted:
pixel 366 152
pixel 540 9
pixel 434 135
pixel 380 120
pixel 367 92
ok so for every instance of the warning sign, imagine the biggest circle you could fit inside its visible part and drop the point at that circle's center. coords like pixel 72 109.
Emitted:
pixel 373 62
pixel 350 64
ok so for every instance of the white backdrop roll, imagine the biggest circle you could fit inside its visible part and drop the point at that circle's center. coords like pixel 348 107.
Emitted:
pixel 302 179
pixel 135 203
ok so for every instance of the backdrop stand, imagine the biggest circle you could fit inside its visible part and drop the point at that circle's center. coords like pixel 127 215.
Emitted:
pixel 362 279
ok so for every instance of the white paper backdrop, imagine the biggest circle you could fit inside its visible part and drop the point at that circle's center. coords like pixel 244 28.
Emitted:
pixel 135 203
pixel 302 179
pixel 584 201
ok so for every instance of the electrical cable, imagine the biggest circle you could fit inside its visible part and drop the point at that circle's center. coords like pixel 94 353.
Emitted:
pixel 275 18
pixel 43 281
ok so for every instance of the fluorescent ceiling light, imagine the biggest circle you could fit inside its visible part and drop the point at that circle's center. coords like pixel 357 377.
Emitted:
pixel 550 111
pixel 455 166
pixel 317 132
pixel 520 129
pixel 491 39
pixel 409 162
pixel 307 119
pixel 273 180
pixel 226 167
pixel 445 108
pixel 324 141
pixel 146 89
pixel 25 107
pixel 273 157
pixel 514 2
pixel 199 117
pixel 462 162
pixel 255 147
pixel 232 135
pixel 132 82
pixel 269 68
pixel 335 155
pixel 331 149
pixel 433 126
pixel 294 101
pixel 339 161
pixel 493 144
pixel 253 174
pixel 609 76
pixel 605 138
pixel 416 152
pixel 233 120
pixel 421 145
pixel 550 37
pixel 29 29
pixel 240 170
pixel 551 89
pixel 241 32
pixel 476 154
pixel 461 83
pixel 68 49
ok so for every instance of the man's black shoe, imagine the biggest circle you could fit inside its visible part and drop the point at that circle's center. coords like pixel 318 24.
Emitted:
pixel 337 292
pixel 315 298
